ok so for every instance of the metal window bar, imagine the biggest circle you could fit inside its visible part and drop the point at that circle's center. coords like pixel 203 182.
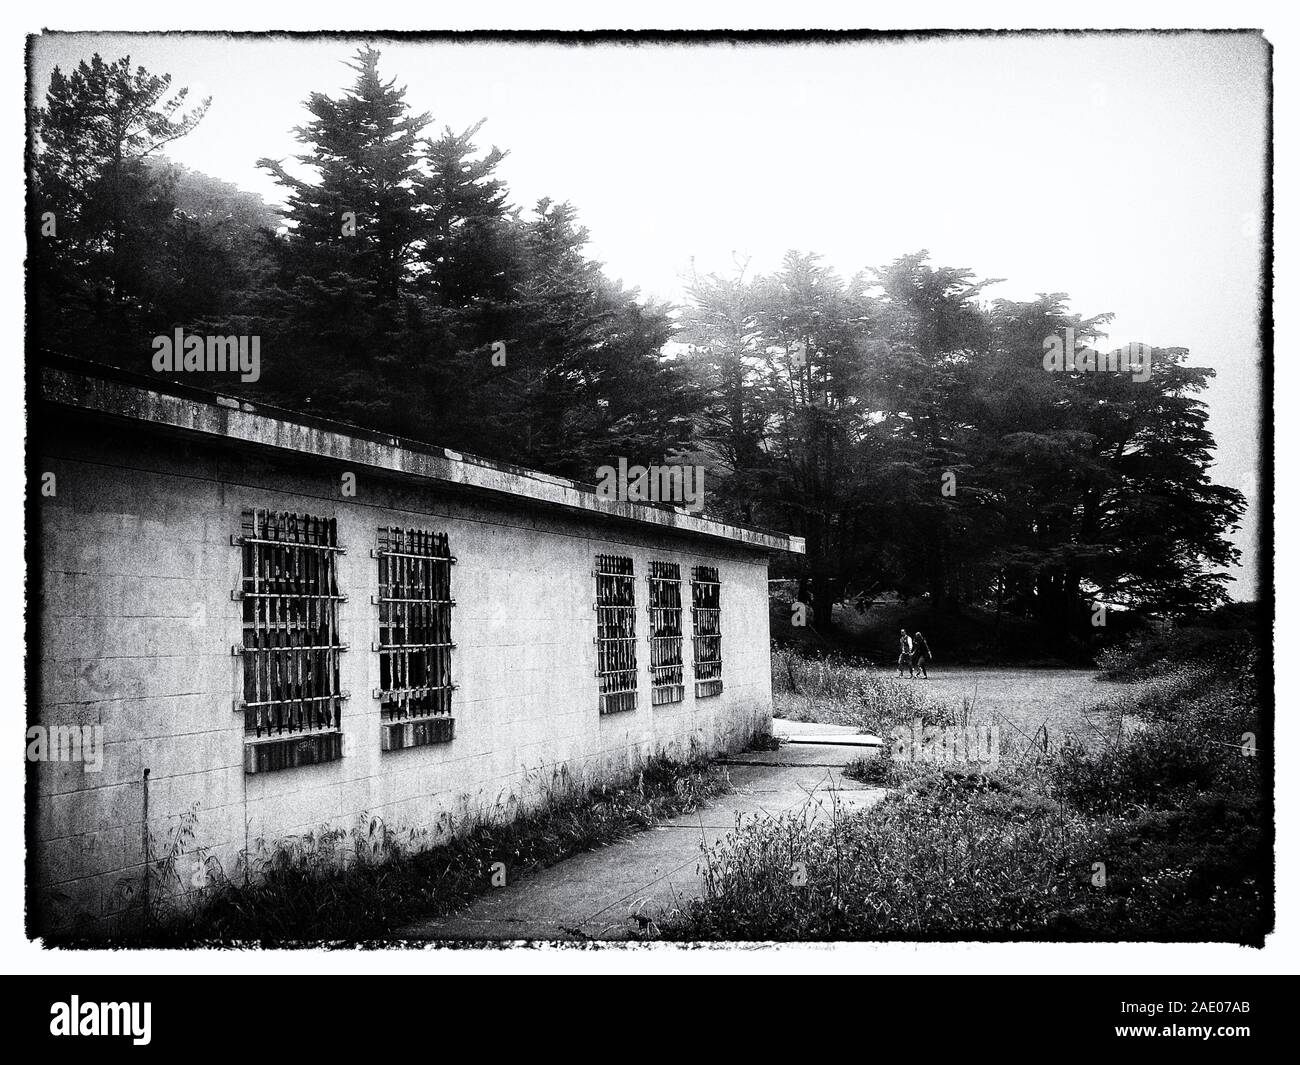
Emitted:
pixel 667 684
pixel 415 643
pixel 291 644
pixel 615 633
pixel 706 615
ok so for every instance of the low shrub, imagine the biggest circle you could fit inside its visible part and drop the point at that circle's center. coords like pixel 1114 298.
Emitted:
pixel 1160 832
pixel 1192 732
pixel 877 770
pixel 927 863
pixel 1153 654
pixel 1198 872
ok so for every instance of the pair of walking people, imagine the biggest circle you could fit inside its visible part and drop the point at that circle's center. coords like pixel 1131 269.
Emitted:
pixel 914 653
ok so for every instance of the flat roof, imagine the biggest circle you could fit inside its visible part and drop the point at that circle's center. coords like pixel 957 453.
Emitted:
pixel 111 392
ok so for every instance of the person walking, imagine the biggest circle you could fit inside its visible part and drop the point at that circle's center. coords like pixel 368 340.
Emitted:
pixel 905 653
pixel 920 656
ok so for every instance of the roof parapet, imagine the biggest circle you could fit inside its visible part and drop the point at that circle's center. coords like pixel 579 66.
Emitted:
pixel 113 393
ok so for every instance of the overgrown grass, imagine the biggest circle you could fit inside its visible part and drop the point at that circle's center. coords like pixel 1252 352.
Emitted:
pixel 359 885
pixel 877 770
pixel 950 860
pixel 1160 833
pixel 833 690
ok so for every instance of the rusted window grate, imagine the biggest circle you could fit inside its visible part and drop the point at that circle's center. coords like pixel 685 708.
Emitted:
pixel 415 642
pixel 707 620
pixel 291 643
pixel 615 633
pixel 666 682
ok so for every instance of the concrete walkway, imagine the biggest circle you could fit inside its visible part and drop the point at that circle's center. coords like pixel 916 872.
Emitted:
pixel 609 893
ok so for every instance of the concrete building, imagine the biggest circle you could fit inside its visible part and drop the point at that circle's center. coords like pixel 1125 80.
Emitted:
pixel 271 624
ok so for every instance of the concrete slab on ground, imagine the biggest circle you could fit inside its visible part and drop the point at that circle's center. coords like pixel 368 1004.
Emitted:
pixel 797 729
pixel 811 732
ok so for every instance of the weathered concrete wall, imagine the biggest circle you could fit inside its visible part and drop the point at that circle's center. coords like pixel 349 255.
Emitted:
pixel 138 623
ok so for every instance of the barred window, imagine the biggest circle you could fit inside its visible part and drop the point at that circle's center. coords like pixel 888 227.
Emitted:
pixel 707 621
pixel 615 633
pixel 415 643
pixel 292 699
pixel 666 682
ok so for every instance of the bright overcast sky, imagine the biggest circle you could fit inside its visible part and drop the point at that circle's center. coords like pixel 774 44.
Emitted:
pixel 1126 171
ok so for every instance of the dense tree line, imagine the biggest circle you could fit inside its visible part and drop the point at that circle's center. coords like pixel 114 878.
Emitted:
pixel 911 432
pixel 899 420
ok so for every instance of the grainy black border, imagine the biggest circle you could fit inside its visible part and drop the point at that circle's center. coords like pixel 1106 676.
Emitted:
pixel 1266 595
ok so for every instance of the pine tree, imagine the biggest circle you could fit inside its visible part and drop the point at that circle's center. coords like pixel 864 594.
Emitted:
pixel 340 307
pixel 727 361
pixel 94 284
pixel 586 380
pixel 361 214
pixel 470 265
pixel 469 252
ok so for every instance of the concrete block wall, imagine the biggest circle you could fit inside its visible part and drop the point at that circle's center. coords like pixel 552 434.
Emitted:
pixel 137 625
